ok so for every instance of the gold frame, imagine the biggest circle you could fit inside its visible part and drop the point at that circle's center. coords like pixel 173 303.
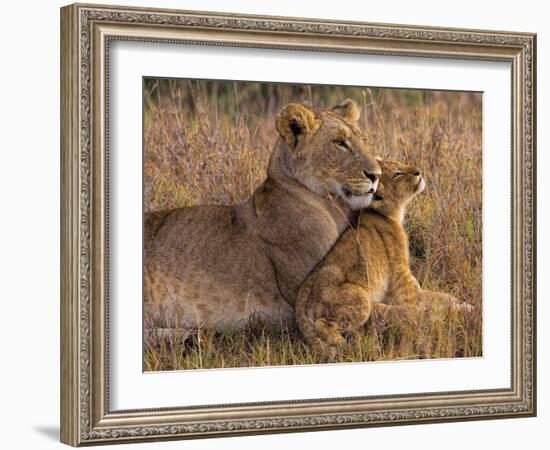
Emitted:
pixel 86 31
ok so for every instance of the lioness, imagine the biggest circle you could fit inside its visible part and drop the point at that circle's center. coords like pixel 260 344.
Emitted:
pixel 367 265
pixel 217 266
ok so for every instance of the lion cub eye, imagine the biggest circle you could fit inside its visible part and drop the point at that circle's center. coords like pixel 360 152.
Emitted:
pixel 342 145
pixel 398 174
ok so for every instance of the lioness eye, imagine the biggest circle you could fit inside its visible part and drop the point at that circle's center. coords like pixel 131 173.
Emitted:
pixel 342 145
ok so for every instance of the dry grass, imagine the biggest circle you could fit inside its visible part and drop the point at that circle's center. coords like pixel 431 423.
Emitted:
pixel 209 142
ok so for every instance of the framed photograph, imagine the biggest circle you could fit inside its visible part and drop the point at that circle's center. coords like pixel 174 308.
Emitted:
pixel 276 224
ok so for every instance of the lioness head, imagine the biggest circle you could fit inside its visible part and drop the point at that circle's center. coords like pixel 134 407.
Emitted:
pixel 328 154
pixel 399 183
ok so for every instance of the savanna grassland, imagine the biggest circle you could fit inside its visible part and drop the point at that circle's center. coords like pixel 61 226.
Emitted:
pixel 208 142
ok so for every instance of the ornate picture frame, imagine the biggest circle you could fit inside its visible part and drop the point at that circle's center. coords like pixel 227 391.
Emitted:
pixel 87 31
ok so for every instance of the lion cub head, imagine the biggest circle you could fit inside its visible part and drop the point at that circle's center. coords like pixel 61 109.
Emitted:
pixel 399 183
pixel 327 153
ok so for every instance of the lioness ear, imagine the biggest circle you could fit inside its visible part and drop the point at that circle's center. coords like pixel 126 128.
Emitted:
pixel 348 110
pixel 294 123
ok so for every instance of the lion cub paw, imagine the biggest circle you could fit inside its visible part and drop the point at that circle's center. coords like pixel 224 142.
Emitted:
pixel 329 354
pixel 330 336
pixel 329 332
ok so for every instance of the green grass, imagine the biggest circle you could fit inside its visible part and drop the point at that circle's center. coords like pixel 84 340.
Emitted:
pixel 209 143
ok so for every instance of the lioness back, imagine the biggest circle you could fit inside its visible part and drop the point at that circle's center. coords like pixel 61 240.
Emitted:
pixel 191 267
pixel 368 265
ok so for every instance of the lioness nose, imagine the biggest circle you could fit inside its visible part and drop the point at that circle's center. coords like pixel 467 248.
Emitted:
pixel 371 176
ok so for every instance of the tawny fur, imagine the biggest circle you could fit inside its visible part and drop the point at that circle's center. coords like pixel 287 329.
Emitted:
pixel 217 266
pixel 368 266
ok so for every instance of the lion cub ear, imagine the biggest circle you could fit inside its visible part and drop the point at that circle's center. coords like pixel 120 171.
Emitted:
pixel 348 110
pixel 294 123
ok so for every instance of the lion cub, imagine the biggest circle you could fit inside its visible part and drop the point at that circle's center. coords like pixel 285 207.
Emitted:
pixel 367 265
